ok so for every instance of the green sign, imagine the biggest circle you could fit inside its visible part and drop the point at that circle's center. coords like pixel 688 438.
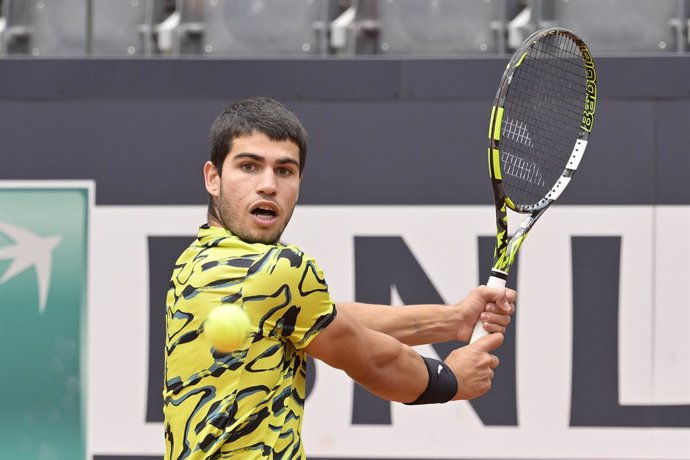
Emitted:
pixel 43 275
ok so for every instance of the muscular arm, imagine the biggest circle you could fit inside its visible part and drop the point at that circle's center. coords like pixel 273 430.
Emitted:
pixel 422 324
pixel 380 363
pixel 394 371
pixel 410 324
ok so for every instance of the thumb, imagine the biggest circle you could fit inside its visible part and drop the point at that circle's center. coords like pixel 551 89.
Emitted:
pixel 490 342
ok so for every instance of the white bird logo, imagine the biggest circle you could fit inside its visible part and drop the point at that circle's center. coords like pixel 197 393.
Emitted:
pixel 29 250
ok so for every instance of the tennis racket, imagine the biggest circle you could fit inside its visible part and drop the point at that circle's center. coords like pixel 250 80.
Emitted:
pixel 541 119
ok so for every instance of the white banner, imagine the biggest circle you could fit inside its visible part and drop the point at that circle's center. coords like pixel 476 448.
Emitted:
pixel 654 346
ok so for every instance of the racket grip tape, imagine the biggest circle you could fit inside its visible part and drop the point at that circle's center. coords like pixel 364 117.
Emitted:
pixel 479 330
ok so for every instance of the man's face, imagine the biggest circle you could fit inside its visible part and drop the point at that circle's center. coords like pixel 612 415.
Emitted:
pixel 258 189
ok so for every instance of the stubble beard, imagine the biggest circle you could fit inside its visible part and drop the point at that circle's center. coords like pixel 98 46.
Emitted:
pixel 228 221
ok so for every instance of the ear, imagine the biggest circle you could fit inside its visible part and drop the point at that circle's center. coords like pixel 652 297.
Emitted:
pixel 211 179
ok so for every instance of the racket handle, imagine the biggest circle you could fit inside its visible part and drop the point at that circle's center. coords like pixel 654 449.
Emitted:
pixel 479 330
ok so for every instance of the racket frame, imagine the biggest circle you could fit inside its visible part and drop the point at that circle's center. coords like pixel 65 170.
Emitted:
pixel 507 248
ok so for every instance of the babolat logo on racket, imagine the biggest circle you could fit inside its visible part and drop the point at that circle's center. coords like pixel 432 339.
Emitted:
pixel 525 170
pixel 517 131
pixel 591 89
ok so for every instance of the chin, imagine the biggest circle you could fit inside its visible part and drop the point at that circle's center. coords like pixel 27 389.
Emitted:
pixel 251 233
pixel 267 240
pixel 263 238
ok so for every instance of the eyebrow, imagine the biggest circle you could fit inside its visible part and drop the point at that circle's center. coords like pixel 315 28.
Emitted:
pixel 261 159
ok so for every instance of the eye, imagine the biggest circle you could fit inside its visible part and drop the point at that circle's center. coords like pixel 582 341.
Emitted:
pixel 247 167
pixel 283 172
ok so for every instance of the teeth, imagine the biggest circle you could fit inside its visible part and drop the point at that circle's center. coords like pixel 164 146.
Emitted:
pixel 264 212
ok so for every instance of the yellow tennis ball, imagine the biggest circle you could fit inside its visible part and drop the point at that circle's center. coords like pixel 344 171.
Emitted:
pixel 227 328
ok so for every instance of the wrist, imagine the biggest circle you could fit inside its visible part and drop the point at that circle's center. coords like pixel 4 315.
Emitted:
pixel 442 386
pixel 448 322
pixel 459 324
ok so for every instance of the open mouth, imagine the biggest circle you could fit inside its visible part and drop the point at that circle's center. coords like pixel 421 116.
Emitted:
pixel 264 212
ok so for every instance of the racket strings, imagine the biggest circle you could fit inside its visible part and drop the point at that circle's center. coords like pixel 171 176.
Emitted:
pixel 543 111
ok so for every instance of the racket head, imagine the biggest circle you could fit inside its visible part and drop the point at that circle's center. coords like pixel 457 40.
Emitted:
pixel 541 119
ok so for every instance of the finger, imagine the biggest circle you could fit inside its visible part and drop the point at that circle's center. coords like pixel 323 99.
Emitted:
pixel 505 305
pixel 501 297
pixel 500 319
pixel 507 308
pixel 494 362
pixel 492 328
pixel 490 341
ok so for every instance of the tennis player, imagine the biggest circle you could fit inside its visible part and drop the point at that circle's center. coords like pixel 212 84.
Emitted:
pixel 249 404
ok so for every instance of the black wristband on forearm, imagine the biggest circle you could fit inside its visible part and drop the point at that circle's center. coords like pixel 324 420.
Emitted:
pixel 442 383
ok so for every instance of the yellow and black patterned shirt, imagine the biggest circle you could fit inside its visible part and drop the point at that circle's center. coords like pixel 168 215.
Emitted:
pixel 247 404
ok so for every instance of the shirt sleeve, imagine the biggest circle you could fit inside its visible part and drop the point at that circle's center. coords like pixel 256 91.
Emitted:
pixel 286 296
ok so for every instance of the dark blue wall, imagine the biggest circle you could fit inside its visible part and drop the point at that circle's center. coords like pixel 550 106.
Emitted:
pixel 382 131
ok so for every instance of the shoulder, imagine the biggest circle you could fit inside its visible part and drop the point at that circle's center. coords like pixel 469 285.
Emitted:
pixel 285 261
pixel 286 269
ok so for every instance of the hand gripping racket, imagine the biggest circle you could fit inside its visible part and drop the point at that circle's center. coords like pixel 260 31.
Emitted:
pixel 540 122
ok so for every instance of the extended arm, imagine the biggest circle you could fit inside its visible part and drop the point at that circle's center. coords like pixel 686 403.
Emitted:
pixel 394 371
pixel 432 323
pixel 378 362
pixel 410 324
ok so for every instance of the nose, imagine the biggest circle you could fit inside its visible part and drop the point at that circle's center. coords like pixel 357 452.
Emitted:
pixel 267 182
